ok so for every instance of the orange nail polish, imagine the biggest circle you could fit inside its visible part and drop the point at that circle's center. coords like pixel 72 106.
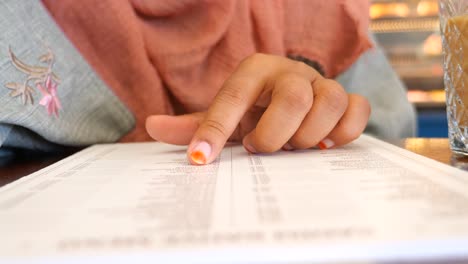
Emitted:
pixel 326 144
pixel 200 153
pixel 198 157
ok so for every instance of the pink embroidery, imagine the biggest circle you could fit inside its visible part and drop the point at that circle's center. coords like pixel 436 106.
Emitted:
pixel 45 80
pixel 49 99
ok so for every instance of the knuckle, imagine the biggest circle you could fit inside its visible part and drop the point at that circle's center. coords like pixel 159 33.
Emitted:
pixel 216 127
pixel 297 99
pixel 296 92
pixel 362 103
pixel 350 131
pixel 336 98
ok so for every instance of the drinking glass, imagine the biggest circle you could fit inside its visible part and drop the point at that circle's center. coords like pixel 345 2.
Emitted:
pixel 454 30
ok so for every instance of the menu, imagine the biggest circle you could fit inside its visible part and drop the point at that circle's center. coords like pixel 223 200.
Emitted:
pixel 368 201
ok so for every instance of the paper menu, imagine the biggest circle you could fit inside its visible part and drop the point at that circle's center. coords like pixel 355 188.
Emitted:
pixel 367 201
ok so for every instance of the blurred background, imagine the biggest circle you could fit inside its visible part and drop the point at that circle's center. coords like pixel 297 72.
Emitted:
pixel 408 31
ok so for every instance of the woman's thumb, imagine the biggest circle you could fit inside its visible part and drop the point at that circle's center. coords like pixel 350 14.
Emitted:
pixel 177 130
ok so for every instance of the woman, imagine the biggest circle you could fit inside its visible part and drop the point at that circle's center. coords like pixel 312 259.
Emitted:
pixel 204 71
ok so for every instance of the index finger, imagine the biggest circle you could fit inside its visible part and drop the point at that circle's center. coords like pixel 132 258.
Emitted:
pixel 236 96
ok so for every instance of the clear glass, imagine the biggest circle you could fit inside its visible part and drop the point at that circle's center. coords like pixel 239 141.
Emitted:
pixel 454 31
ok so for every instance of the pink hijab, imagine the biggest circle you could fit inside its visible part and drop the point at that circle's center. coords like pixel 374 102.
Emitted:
pixel 171 57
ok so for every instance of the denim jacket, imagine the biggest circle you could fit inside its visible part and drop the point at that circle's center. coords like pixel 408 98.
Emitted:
pixel 50 97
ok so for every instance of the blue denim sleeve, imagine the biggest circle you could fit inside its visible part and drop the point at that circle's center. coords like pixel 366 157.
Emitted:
pixel 49 95
pixel 372 76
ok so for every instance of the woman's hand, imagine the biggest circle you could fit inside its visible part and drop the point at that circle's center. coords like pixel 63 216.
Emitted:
pixel 268 103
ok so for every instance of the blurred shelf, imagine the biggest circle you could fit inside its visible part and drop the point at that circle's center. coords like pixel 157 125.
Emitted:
pixel 429 105
pixel 422 99
pixel 408 32
pixel 399 25
pixel 383 9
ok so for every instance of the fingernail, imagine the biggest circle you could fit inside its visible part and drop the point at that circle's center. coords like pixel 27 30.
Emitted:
pixel 288 147
pixel 249 148
pixel 200 153
pixel 326 144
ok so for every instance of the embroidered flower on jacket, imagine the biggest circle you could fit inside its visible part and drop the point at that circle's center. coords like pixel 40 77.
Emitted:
pixel 49 93
pixel 44 79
